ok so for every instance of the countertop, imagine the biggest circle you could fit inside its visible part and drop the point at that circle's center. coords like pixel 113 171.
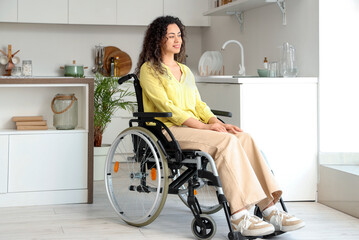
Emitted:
pixel 253 79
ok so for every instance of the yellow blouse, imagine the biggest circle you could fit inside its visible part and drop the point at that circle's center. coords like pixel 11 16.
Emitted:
pixel 164 93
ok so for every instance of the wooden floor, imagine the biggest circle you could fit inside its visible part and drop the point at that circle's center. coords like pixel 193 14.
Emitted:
pixel 99 222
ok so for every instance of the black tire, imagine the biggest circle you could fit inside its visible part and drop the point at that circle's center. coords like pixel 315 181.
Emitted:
pixel 209 231
pixel 136 176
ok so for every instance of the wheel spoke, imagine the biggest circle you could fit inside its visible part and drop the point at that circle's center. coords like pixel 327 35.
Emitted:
pixel 136 197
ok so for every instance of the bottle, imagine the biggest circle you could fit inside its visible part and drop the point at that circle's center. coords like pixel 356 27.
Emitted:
pixel 112 67
pixel 265 63
pixel 117 67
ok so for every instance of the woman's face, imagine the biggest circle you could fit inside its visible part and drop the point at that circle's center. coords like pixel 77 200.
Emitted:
pixel 172 42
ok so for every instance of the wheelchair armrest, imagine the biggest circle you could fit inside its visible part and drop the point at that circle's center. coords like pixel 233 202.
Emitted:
pixel 222 113
pixel 152 114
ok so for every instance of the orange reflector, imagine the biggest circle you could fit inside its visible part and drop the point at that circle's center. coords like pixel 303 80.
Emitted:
pixel 153 174
pixel 195 192
pixel 117 165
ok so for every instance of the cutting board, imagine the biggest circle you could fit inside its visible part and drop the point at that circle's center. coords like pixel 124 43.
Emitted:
pixel 125 62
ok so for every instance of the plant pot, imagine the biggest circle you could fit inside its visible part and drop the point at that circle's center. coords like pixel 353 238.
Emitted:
pixel 100 154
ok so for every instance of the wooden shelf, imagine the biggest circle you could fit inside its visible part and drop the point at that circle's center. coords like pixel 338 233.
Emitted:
pixel 49 131
pixel 237 6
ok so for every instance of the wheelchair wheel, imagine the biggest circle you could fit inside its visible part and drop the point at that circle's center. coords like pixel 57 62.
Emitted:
pixel 136 176
pixel 210 227
pixel 206 195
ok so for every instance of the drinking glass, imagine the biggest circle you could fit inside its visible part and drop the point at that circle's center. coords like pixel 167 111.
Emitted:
pixel 272 69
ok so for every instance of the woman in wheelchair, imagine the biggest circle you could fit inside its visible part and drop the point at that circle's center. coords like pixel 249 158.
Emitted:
pixel 169 86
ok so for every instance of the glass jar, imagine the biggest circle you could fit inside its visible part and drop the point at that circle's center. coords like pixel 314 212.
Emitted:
pixel 65 109
pixel 16 71
pixel 27 68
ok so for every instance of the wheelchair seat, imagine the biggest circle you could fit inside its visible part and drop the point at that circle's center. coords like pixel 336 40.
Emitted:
pixel 143 166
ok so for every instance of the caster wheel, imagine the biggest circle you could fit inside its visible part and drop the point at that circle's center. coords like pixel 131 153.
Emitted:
pixel 210 227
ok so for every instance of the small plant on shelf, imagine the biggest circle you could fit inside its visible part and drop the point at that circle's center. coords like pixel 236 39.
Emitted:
pixel 109 96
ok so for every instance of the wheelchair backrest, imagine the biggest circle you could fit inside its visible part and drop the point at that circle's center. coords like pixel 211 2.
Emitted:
pixel 156 129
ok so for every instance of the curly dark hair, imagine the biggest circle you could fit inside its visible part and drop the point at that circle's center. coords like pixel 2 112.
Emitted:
pixel 151 48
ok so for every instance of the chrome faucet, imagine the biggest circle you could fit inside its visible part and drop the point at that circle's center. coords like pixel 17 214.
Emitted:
pixel 242 69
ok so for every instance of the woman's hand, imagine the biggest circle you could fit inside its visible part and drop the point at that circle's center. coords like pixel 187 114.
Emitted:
pixel 213 124
pixel 232 128
pixel 216 127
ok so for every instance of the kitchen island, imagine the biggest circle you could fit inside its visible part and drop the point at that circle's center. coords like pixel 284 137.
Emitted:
pixel 45 166
pixel 281 116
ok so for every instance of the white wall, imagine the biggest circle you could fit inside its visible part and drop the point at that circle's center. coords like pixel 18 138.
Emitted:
pixel 339 81
pixel 263 33
pixel 50 46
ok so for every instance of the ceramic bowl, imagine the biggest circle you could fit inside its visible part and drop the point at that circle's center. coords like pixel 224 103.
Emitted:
pixel 262 72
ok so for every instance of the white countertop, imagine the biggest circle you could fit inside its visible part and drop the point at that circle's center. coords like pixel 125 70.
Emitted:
pixel 253 79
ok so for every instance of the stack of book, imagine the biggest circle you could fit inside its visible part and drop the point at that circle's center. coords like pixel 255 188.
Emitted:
pixel 30 123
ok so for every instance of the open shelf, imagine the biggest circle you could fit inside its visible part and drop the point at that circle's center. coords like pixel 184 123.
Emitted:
pixel 49 131
pixel 236 6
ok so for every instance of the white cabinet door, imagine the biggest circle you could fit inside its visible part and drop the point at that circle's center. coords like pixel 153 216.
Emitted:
pixel 138 12
pixel 43 11
pixel 282 119
pixel 8 11
pixel 43 162
pixel 4 145
pixel 190 12
pixel 225 97
pixel 92 12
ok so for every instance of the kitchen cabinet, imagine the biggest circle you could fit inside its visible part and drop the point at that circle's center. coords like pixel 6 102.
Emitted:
pixel 105 12
pixel 4 146
pixel 138 12
pixel 43 11
pixel 36 165
pixel 8 11
pixel 281 116
pixel 45 166
pixel 92 12
pixel 190 12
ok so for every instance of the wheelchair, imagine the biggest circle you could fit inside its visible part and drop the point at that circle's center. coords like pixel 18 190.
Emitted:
pixel 142 167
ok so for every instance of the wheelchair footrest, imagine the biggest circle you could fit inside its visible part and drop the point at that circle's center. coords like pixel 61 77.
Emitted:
pixel 238 236
pixel 276 233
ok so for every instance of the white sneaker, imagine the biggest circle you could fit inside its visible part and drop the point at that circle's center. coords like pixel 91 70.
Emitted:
pixel 252 226
pixel 284 222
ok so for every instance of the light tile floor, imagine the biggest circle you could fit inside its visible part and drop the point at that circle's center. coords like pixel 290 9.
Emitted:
pixel 99 222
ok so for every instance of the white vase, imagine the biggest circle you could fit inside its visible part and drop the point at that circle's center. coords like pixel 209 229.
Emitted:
pixel 100 154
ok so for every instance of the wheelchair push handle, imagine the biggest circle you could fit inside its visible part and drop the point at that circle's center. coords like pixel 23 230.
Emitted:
pixel 127 77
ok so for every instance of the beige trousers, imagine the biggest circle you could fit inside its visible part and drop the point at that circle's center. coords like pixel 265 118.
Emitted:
pixel 245 176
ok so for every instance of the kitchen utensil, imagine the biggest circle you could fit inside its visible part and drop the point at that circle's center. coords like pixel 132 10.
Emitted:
pixel 65 109
pixel 9 62
pixel 99 59
pixel 74 70
pixel 210 63
pixel 124 63
pixel 4 60
pixel 15 60
pixel 16 71
pixel 272 69
pixel 288 66
pixel 262 72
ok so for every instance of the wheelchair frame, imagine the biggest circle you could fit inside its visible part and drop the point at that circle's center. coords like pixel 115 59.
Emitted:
pixel 203 226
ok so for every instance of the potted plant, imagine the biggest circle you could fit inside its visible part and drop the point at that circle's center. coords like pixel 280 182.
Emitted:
pixel 109 96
